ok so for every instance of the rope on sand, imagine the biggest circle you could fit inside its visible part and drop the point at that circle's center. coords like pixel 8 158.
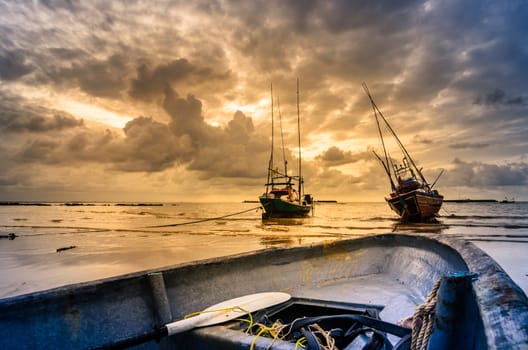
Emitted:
pixel 204 220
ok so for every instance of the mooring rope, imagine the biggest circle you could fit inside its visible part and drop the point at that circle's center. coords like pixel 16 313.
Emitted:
pixel 426 314
pixel 204 220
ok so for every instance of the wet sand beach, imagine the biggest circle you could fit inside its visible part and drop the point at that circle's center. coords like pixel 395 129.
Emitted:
pixel 57 244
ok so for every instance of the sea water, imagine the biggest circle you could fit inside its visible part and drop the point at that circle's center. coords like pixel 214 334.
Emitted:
pixel 63 243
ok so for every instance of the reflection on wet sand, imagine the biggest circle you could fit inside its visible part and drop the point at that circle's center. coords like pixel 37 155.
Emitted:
pixel 278 241
pixel 429 227
pixel 111 241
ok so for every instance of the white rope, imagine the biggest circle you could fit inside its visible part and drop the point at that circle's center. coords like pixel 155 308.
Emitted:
pixel 423 319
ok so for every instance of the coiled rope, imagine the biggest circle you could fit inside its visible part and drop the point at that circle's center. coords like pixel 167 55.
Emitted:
pixel 423 319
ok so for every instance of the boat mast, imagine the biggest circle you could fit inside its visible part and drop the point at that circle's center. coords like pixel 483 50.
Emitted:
pixel 407 155
pixel 282 140
pixel 270 165
pixel 386 162
pixel 404 150
pixel 301 182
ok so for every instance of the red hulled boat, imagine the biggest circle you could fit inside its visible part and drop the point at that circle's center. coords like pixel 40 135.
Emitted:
pixel 412 197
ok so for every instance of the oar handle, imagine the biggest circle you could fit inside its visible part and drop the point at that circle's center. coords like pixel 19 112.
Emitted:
pixel 185 324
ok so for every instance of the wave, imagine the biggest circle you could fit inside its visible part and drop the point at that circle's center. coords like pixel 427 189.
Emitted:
pixel 483 217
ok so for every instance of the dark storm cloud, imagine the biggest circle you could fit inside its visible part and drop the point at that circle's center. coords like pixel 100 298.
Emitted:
pixel 235 151
pixel 469 145
pixel 19 123
pixel 453 73
pixel 478 174
pixel 18 115
pixel 498 97
pixel 40 150
pixel 335 156
pixel 147 146
pixel 240 128
pixel 101 78
pixel 151 83
pixel 13 65
pixel 186 116
pixel 422 140
pixel 151 146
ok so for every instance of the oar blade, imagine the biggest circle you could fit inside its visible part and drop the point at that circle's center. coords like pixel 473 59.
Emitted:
pixel 229 310
pixel 240 306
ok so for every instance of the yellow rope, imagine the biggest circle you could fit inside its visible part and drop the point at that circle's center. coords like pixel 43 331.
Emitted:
pixel 192 314
pixel 274 332
pixel 301 342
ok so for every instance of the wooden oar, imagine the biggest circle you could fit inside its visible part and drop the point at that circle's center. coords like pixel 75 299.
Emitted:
pixel 216 314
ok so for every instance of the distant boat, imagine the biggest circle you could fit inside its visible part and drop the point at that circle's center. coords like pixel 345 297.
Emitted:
pixel 412 197
pixel 506 200
pixel 284 196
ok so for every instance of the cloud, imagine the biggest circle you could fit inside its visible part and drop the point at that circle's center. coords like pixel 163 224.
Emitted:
pixel 19 123
pixel 100 78
pixel 13 65
pixel 179 66
pixel 18 115
pixel 147 145
pixel 498 97
pixel 334 156
pixel 235 151
pixel 469 145
pixel 151 83
pixel 479 174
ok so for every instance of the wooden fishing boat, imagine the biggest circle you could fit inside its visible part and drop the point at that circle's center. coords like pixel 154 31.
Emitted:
pixel 412 197
pixel 284 196
pixel 352 290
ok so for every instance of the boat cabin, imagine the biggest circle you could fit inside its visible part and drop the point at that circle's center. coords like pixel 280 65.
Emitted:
pixel 287 193
pixel 407 185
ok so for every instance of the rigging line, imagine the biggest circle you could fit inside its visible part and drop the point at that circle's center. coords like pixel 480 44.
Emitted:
pixel 282 140
pixel 204 220
pixel 270 164
pixel 386 163
pixel 402 147
pixel 301 182
pixel 397 138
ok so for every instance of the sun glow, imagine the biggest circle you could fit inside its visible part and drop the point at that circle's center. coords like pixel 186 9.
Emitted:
pixel 94 113
pixel 257 110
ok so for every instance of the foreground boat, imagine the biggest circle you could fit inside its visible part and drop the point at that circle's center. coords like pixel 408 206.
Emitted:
pixel 281 199
pixel 412 197
pixel 342 285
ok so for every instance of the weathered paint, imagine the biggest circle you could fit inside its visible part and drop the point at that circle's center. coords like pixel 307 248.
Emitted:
pixel 416 205
pixel 396 271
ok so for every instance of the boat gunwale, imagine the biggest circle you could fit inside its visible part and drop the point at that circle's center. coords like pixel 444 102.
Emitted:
pixel 506 299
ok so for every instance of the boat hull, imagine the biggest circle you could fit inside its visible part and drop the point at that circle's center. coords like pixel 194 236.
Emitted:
pixel 391 272
pixel 279 208
pixel 416 205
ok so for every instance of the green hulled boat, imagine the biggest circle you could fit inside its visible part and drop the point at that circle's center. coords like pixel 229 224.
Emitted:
pixel 284 196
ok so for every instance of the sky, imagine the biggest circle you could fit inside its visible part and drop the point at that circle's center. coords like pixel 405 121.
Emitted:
pixel 170 101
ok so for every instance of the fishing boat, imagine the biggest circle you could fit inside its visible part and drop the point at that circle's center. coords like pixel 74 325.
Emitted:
pixel 284 196
pixel 412 197
pixel 402 289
